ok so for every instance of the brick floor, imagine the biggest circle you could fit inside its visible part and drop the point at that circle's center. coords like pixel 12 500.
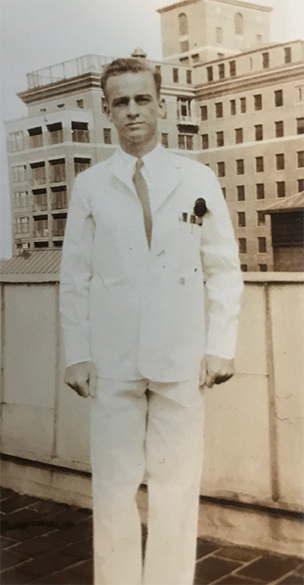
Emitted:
pixel 51 544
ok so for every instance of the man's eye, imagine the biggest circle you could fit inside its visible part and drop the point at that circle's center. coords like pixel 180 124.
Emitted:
pixel 143 100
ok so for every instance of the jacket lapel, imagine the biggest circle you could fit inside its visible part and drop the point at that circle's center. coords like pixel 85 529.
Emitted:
pixel 168 178
pixel 118 169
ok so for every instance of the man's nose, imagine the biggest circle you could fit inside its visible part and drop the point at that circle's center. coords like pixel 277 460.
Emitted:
pixel 133 109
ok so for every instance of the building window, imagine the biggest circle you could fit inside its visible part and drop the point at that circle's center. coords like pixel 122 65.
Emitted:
pixel 280 162
pixel 175 74
pixel 40 200
pixel 240 192
pixel 287 54
pixel 221 70
pixel 55 133
pixel 224 192
pixel 80 104
pixel 262 247
pixel 263 267
pixel 210 73
pixel 239 24
pixel 243 105
pixel 300 155
pixel 238 135
pixel 265 57
pixel 184 60
pixel 280 189
pixel 36 137
pixel 38 174
pixel 278 98
pixel 240 167
pixel 259 164
pixel 219 35
pixel 279 129
pixel 258 132
pixel 182 24
pixel 41 227
pixel 260 191
pixel 205 141
pixel 219 110
pixel 219 139
pixel 242 246
pixel 261 218
pixel 59 223
pixel 184 47
pixel 300 185
pixel 195 58
pixel 241 217
pixel 16 141
pixel 301 93
pixel 244 267
pixel 232 107
pixel 204 113
pixel 189 76
pixel 257 102
pixel 61 106
pixel 81 164
pixel 59 197
pixel 20 199
pixel 183 106
pixel 232 68
pixel 19 174
pixel 80 132
pixel 107 136
pixel 57 170
pixel 22 225
pixel 165 140
pixel 185 141
pixel 221 169
pixel 300 125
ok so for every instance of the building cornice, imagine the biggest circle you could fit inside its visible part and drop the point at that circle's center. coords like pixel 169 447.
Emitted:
pixel 233 2
pixel 248 82
pixel 61 88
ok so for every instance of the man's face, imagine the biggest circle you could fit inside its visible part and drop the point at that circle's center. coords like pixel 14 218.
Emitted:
pixel 133 106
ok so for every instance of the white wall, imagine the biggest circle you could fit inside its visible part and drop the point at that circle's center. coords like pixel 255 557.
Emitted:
pixel 254 426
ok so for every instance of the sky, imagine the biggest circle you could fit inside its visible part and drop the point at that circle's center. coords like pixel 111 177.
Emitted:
pixel 38 33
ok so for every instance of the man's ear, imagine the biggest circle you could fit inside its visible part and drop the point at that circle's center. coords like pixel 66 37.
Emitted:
pixel 162 108
pixel 107 111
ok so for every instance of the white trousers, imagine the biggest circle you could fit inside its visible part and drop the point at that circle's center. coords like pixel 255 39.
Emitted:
pixel 159 433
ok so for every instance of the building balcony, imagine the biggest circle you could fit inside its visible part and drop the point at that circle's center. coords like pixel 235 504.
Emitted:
pixel 38 180
pixel 40 206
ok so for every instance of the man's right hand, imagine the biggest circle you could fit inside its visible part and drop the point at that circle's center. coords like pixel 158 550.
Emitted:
pixel 82 377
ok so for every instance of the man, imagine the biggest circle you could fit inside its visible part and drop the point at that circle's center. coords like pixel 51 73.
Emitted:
pixel 145 229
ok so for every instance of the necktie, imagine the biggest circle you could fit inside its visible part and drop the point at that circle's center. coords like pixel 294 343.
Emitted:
pixel 143 196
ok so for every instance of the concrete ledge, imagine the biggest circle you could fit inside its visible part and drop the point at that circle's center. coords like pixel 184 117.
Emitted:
pixel 275 531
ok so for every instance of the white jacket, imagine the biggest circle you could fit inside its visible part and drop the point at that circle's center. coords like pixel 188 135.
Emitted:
pixel 140 312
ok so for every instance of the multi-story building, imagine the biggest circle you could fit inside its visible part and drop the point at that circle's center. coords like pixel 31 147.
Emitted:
pixel 230 103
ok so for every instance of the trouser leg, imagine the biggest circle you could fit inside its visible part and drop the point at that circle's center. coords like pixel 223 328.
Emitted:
pixel 174 453
pixel 118 424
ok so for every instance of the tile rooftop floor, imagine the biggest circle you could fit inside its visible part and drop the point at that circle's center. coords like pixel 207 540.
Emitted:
pixel 49 543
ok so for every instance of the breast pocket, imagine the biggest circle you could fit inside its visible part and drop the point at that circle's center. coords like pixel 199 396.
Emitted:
pixel 190 263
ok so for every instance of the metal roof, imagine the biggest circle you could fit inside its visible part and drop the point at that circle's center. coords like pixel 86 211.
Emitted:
pixel 33 262
pixel 288 204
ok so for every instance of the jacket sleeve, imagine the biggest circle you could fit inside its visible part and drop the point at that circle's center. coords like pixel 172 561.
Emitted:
pixel 223 277
pixel 75 276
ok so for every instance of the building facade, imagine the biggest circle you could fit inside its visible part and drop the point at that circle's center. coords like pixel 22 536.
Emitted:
pixel 240 111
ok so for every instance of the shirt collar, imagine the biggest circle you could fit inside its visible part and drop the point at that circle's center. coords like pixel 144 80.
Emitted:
pixel 151 161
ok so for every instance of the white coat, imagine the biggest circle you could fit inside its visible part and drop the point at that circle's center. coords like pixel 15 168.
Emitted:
pixel 139 312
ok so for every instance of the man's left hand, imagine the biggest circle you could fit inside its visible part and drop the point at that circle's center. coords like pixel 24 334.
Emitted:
pixel 215 370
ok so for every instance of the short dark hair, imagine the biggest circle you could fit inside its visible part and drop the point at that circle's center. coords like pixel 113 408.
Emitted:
pixel 129 65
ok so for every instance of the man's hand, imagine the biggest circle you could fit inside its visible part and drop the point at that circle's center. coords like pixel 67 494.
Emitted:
pixel 215 370
pixel 82 377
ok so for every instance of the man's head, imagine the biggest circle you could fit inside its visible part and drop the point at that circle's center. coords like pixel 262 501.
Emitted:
pixel 132 91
